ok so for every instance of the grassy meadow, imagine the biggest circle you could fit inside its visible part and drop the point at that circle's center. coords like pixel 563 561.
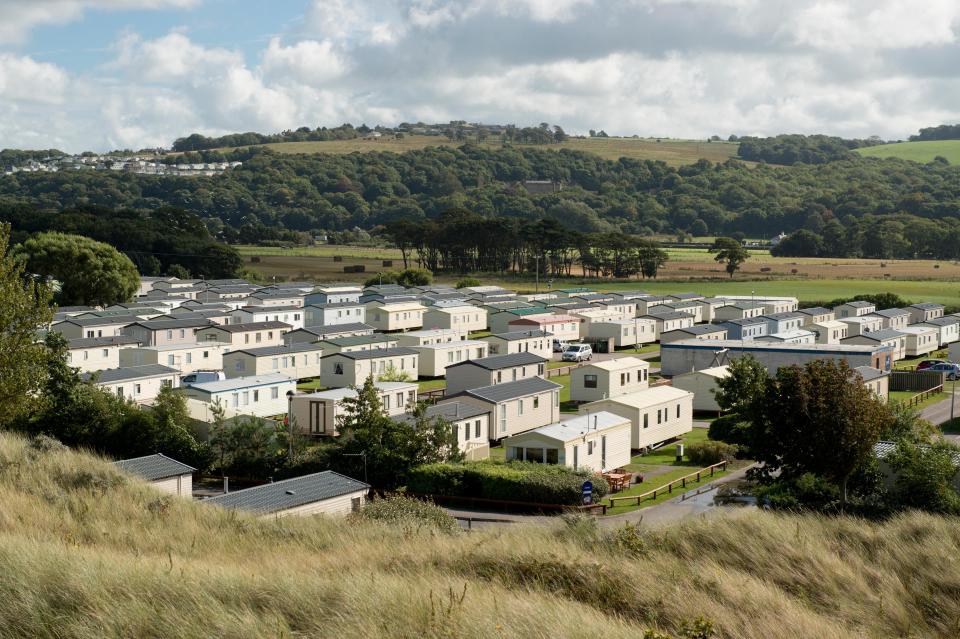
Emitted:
pixel 673 152
pixel 88 552
pixel 916 151
pixel 809 279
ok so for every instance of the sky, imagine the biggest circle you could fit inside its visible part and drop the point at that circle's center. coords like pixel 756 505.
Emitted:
pixel 107 74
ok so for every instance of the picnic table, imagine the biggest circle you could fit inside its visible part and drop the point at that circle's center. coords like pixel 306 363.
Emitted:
pixel 618 481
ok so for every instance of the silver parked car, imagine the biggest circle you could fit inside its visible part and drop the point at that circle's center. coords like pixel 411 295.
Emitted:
pixel 577 353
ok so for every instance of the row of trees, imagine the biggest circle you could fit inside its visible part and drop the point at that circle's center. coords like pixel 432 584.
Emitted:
pixel 274 194
pixel 463 242
pixel 814 429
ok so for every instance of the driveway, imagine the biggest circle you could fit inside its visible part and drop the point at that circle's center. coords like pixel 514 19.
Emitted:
pixel 940 412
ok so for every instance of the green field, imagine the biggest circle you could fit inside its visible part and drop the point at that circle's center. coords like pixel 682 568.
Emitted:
pixel 916 151
pixel 673 152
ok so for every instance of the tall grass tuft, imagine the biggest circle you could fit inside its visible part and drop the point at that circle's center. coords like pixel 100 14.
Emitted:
pixel 86 551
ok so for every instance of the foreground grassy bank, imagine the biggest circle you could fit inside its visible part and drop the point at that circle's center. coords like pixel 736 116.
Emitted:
pixel 86 552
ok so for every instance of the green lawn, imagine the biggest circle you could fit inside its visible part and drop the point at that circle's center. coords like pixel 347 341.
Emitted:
pixel 431 384
pixel 916 151
pixel 310 385
pixel 646 348
pixel 552 365
pixel 566 406
pixel 657 482
pixel 902 396
pixel 666 455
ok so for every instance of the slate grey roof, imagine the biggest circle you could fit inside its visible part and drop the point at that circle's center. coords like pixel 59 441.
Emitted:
pixel 869 373
pixel 942 321
pixel 886 333
pixel 101 321
pixel 783 316
pixel 669 315
pixel 167 324
pixel 270 309
pixel 326 305
pixel 334 329
pixel 892 312
pixel 858 304
pixel 741 322
pixel 248 328
pixel 927 306
pixel 112 375
pixel 267 351
pixel 276 294
pixel 699 329
pixel 359 340
pixel 451 411
pixel 509 360
pixel 92 342
pixel 513 390
pixel 816 310
pixel 75 309
pixel 289 493
pixel 154 467
pixel 513 336
pixel 377 353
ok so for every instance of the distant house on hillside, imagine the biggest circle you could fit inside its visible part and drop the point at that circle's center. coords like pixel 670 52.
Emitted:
pixel 539 187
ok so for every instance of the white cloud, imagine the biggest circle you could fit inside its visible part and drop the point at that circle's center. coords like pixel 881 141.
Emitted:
pixel 24 79
pixel 308 61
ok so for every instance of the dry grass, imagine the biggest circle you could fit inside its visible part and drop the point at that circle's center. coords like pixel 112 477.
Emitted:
pixel 85 552
pixel 673 152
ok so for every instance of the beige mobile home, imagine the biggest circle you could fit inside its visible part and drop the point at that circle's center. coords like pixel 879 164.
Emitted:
pixel 140 384
pixel 324 493
pixel 861 324
pixel 334 313
pixel 90 354
pixel 610 378
pixel 921 340
pixel 166 331
pixel 292 315
pixel 535 341
pixel 667 321
pixel 320 413
pixel 499 322
pixel 352 368
pixel 656 414
pixel 924 312
pixel 895 318
pixel 272 297
pixel 854 309
pixel 243 335
pixel 816 315
pixel 496 369
pixel 470 424
pixel 703 384
pixel 465 318
pixel 311 334
pixel 516 407
pixel 709 306
pixel 690 307
pixel 876 380
pixel 830 331
pixel 257 395
pixel 599 442
pixel 185 358
pixel 395 316
pixel 701 331
pixel 435 358
pixel 738 311
pixel 76 328
pixel 589 316
pixel 299 361
pixel 431 336
pixel 948 329
pixel 632 332
pixel 163 473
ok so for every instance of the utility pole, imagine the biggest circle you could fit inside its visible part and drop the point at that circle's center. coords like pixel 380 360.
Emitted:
pixel 536 268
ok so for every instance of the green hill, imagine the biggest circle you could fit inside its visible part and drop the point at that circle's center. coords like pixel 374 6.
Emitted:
pixel 916 151
pixel 88 552
pixel 673 152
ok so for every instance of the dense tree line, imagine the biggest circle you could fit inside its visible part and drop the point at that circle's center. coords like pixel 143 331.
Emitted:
pixel 275 197
pixel 464 242
pixel 795 149
pixel 198 142
pixel 156 241
pixel 942 132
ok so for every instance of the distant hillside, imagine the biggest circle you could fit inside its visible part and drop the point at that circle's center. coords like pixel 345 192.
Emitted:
pixel 917 151
pixel 86 552
pixel 673 152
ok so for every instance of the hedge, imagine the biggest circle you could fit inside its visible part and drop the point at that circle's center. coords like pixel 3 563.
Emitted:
pixel 511 481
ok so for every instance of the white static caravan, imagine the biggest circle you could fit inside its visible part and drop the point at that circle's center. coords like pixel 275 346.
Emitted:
pixel 185 358
pixel 333 314
pixel 435 358
pixel 299 361
pixel 703 385
pixel 395 316
pixel 89 354
pixel 921 340
pixel 536 341
pixel 139 384
pixel 292 315
pixel 259 395
pixel 599 442
pixel 325 493
pixel 656 414
pixel 163 473
pixel 633 332
pixel 609 378
pixel 466 317
pixel 470 424
pixel 427 337
pixel 319 413
pixel 352 368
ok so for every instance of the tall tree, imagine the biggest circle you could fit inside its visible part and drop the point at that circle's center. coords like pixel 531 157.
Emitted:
pixel 89 272
pixel 24 307
pixel 650 257
pixel 731 253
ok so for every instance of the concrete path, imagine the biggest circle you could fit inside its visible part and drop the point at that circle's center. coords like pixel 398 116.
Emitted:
pixel 940 412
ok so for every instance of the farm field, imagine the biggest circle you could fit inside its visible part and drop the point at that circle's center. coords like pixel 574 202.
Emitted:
pixel 916 151
pixel 694 269
pixel 673 152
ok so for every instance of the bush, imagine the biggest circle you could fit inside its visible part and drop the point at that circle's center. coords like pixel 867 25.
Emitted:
pixel 467 282
pixel 409 513
pixel 712 452
pixel 512 481
pixel 729 428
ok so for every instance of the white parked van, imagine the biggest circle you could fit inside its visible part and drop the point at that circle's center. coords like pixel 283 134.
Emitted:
pixel 577 353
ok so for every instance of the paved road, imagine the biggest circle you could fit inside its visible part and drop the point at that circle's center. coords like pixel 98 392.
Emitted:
pixel 940 412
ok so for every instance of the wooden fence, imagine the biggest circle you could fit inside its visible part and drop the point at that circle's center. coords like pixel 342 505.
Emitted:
pixel 506 505
pixel 915 381
pixel 919 397
pixel 668 488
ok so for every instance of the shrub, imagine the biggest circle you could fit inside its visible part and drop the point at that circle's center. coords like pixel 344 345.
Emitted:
pixel 711 452
pixel 409 513
pixel 513 481
pixel 729 428
pixel 467 282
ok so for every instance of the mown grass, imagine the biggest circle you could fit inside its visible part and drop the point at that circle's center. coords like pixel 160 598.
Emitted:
pixel 658 482
pixel 87 552
pixel 917 151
